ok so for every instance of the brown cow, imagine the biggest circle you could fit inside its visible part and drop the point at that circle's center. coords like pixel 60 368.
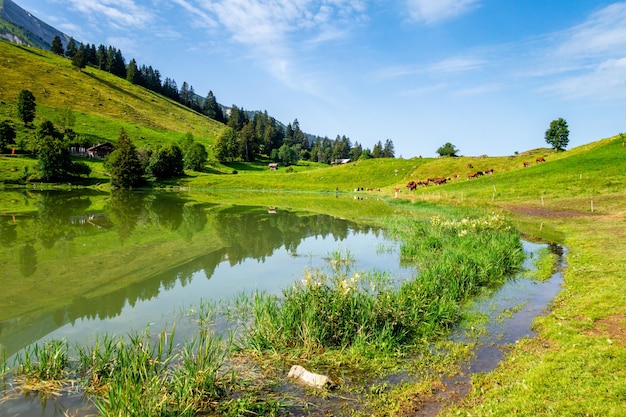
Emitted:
pixel 439 181
pixel 540 159
pixel 412 185
pixel 489 171
pixel 526 164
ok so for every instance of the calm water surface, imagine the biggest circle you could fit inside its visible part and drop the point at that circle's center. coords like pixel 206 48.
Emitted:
pixel 84 264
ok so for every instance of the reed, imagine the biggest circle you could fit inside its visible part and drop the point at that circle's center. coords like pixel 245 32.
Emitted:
pixel 195 383
pixel 44 362
pixel 367 311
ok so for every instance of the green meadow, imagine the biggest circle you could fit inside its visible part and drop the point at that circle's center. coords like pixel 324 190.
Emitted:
pixel 575 365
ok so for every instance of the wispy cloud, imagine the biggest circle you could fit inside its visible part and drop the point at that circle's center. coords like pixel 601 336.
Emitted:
pixel 604 32
pixel 273 32
pixel 120 14
pixel 446 66
pixel 589 59
pixel 607 82
pixel 435 11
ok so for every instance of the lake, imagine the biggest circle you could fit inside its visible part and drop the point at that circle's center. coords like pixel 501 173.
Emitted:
pixel 85 263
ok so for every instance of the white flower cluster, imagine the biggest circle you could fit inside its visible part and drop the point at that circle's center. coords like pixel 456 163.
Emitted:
pixel 341 284
pixel 349 285
pixel 464 226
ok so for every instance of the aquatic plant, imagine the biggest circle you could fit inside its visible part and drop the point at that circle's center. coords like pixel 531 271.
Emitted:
pixel 42 362
pixel 455 257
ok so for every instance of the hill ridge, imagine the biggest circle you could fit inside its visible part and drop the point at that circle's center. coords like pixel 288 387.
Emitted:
pixel 34 31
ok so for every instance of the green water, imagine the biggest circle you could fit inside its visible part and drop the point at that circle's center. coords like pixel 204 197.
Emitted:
pixel 75 264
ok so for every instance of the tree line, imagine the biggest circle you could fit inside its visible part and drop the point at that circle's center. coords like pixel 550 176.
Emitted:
pixel 246 137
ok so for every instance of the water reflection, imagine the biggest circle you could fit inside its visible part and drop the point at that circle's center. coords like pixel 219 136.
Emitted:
pixel 83 256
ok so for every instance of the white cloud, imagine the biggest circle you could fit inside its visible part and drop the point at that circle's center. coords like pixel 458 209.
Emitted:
pixel 606 82
pixel 588 60
pixel 445 66
pixel 274 32
pixel 120 14
pixel 435 11
pixel 604 32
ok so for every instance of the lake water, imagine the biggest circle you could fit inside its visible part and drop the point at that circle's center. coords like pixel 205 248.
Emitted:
pixel 82 264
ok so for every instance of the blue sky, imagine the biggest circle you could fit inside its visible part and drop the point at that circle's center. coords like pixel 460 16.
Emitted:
pixel 486 75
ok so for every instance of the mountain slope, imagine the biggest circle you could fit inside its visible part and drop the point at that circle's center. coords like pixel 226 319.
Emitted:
pixel 19 26
pixel 102 103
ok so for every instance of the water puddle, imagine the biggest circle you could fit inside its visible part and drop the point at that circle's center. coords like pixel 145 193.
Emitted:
pixel 511 312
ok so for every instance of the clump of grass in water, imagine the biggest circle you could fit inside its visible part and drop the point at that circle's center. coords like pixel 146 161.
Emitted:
pixel 145 377
pixel 42 367
pixel 456 258
pixel 47 361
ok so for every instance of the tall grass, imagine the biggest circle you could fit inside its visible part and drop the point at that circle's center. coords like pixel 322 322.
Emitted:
pixel 142 376
pixel 456 258
pixel 46 361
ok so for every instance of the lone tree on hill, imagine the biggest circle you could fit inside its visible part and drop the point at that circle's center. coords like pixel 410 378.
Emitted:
pixel 447 150
pixel 558 134
pixel 26 106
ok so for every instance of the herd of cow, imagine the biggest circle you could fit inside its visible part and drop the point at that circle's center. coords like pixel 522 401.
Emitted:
pixel 412 185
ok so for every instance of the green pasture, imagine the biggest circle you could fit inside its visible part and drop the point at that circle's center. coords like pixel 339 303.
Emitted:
pixel 101 102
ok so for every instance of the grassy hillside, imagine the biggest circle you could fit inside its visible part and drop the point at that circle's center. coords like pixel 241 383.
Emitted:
pixel 102 103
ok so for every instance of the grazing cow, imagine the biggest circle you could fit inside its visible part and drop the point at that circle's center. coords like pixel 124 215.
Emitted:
pixel 440 180
pixel 540 159
pixel 412 185
pixel 489 171
pixel 526 164
pixel 470 166
pixel 424 183
pixel 474 175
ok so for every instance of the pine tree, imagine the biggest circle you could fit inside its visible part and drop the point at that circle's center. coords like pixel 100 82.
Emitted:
pixel 26 106
pixel 79 59
pixel 132 73
pixel 388 150
pixel 71 49
pixel 57 46
pixel 101 57
pixel 124 165
pixel 212 109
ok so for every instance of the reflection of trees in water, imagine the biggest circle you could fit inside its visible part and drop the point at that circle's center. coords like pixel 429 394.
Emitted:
pixel 248 234
pixel 27 257
pixel 8 232
pixel 239 232
pixel 124 210
pixel 166 212
pixel 257 235
pixel 55 210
